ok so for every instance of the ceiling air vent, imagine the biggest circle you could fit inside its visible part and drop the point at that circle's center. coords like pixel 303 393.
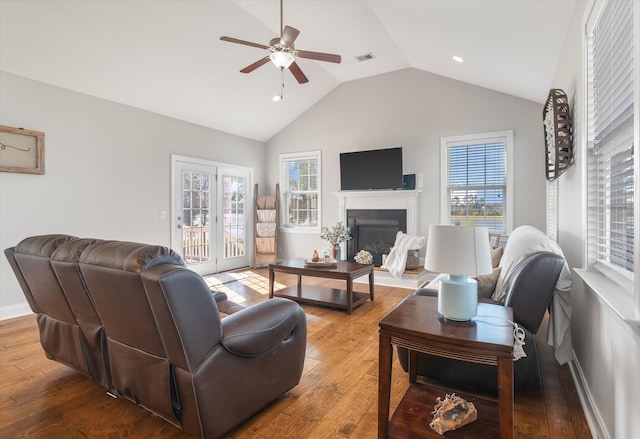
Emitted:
pixel 365 57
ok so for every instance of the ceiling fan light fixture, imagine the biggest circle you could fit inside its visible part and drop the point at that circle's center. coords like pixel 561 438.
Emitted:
pixel 282 59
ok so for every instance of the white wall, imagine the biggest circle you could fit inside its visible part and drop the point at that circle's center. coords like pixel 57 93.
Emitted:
pixel 606 349
pixel 413 109
pixel 107 170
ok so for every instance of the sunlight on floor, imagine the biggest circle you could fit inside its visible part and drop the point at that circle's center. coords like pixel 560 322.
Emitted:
pixel 231 295
pixel 254 281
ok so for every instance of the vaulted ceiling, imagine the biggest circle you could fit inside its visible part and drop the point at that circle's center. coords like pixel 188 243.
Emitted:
pixel 166 56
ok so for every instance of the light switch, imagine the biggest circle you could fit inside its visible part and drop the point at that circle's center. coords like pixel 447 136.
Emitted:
pixel 163 214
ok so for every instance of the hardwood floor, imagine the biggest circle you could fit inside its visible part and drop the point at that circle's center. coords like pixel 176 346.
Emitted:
pixel 336 398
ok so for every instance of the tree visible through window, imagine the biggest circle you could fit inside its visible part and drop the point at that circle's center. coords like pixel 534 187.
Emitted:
pixel 300 180
pixel 475 183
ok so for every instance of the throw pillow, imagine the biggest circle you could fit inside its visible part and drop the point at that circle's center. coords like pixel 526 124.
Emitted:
pixel 496 255
pixel 487 283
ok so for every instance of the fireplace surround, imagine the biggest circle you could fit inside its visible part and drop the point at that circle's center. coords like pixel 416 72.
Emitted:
pixel 374 230
pixel 382 200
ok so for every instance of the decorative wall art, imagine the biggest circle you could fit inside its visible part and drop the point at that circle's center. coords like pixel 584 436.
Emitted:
pixel 21 150
pixel 558 138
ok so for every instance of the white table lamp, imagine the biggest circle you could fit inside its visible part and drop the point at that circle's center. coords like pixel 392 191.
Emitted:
pixel 458 251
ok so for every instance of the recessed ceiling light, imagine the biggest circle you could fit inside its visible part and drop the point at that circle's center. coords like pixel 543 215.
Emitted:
pixel 457 59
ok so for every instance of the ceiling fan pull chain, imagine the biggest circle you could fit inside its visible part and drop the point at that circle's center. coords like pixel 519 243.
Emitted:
pixel 277 98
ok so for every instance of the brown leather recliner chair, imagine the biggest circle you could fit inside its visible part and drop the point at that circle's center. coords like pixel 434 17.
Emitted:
pixel 529 293
pixel 166 346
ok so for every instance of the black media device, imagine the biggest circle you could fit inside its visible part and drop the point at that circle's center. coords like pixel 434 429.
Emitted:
pixel 409 182
pixel 379 169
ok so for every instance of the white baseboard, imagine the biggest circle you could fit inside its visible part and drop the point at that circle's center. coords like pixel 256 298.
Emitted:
pixel 596 424
pixel 11 311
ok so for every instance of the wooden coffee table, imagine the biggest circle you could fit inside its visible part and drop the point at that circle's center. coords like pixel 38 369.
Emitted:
pixel 416 325
pixel 343 270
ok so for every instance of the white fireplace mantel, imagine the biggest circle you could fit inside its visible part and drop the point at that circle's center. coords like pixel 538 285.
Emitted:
pixel 401 199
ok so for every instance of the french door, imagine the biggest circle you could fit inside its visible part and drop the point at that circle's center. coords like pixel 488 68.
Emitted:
pixel 234 218
pixel 193 224
pixel 211 218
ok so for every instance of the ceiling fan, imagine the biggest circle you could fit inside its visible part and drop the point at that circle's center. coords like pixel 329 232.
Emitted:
pixel 283 52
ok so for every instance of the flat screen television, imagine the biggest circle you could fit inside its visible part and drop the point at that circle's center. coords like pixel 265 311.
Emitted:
pixel 379 169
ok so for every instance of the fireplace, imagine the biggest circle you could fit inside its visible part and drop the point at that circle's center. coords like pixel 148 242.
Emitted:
pixel 374 230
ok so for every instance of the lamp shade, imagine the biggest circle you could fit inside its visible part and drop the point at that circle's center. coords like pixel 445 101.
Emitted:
pixel 458 250
pixel 282 59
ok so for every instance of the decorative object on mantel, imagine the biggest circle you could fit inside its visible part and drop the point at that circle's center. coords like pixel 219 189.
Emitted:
pixel 451 413
pixel 558 137
pixel 336 235
pixel 21 150
pixel 364 257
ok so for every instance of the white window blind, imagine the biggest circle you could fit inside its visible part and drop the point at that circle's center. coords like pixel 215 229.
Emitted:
pixel 300 177
pixel 552 210
pixel 610 94
pixel 475 181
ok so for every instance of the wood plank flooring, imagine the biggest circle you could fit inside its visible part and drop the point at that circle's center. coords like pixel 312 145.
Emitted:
pixel 336 398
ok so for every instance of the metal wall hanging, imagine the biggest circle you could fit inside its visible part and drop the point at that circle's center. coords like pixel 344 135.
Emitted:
pixel 558 138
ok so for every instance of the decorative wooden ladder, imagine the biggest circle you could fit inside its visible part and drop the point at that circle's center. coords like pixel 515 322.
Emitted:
pixel 265 228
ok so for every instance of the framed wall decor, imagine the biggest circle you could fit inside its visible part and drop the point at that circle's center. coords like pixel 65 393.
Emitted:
pixel 21 150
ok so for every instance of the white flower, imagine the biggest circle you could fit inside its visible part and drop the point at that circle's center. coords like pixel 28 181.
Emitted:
pixel 336 234
pixel 364 257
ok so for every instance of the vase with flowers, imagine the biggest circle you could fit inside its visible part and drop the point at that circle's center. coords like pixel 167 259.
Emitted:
pixel 336 235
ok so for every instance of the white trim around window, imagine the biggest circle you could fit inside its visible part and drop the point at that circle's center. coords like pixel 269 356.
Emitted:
pixel 607 138
pixel 301 191
pixel 504 184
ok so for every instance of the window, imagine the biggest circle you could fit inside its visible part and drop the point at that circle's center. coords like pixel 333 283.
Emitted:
pixel 611 199
pixel 476 180
pixel 233 215
pixel 300 180
pixel 552 210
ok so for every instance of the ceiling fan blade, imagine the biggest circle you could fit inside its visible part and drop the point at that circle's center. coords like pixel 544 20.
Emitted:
pixel 289 35
pixel 246 43
pixel 255 65
pixel 297 73
pixel 319 56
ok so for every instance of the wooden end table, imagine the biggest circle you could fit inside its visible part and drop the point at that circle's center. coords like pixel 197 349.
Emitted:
pixel 416 325
pixel 343 270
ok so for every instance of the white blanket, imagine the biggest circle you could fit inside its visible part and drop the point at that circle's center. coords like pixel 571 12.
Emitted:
pixel 397 258
pixel 522 242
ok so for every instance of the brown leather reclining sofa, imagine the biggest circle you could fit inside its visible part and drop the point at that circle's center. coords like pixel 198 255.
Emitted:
pixel 134 319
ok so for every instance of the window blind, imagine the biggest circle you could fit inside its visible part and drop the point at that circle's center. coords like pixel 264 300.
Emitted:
pixel 552 210
pixel 610 89
pixel 300 177
pixel 476 184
